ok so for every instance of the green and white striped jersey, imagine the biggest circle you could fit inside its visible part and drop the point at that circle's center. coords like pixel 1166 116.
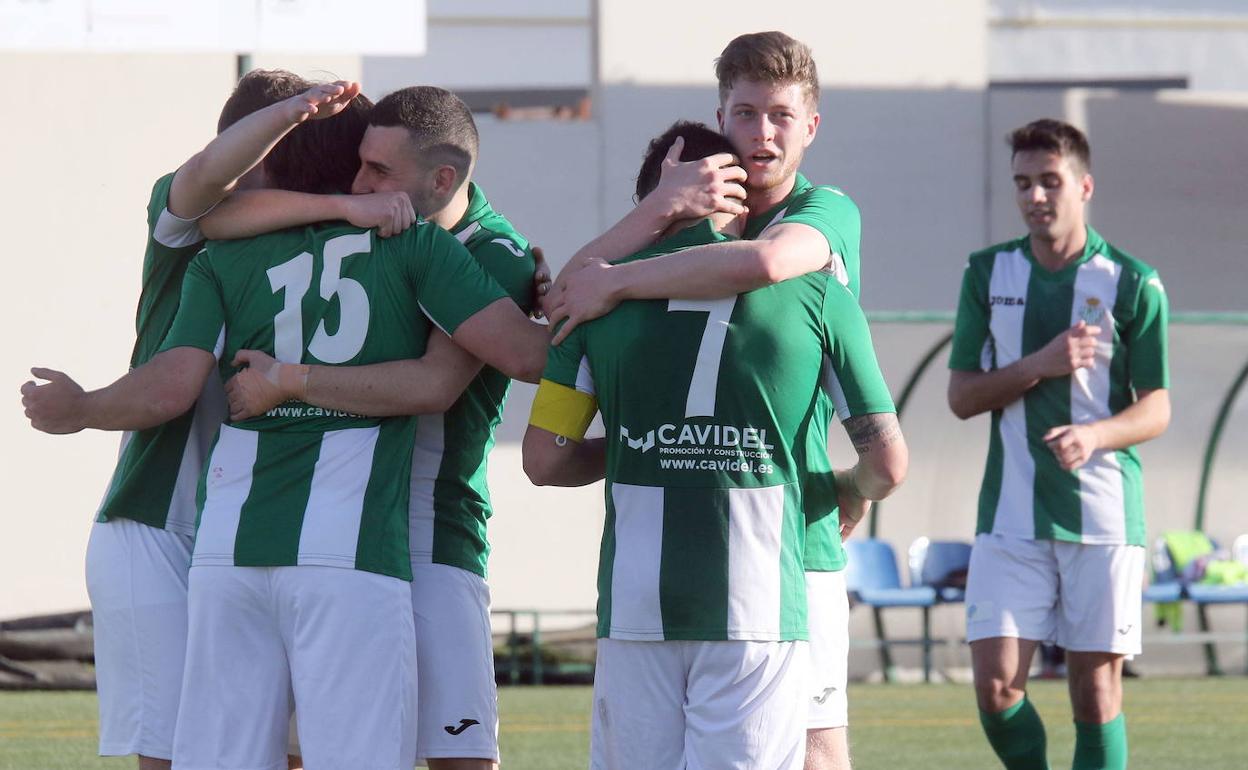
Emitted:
pixel 835 215
pixel 1011 307
pixel 830 211
pixel 450 499
pixel 707 406
pixel 302 484
pixel 158 469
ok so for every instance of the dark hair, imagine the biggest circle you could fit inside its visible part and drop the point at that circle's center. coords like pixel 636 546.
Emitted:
pixel 439 125
pixel 767 57
pixel 1048 135
pixel 700 142
pixel 259 89
pixel 321 156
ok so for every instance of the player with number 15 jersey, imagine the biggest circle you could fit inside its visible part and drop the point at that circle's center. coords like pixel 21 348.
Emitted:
pixel 311 489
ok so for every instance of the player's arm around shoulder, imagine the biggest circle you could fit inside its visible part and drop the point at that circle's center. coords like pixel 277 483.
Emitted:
pixel 249 213
pixel 467 303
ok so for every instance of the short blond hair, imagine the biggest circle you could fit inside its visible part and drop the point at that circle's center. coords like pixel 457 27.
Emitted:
pixel 767 57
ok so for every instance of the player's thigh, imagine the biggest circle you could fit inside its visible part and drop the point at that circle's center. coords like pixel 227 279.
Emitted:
pixel 136 580
pixel 1011 589
pixel 827 618
pixel 638 714
pixel 352 649
pixel 236 698
pixel 458 701
pixel 1100 605
pixel 745 705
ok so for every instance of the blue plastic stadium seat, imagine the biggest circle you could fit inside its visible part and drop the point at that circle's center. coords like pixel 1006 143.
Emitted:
pixel 871 578
pixel 1214 594
pixel 941 564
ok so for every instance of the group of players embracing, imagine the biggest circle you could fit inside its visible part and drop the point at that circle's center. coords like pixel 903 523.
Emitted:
pixel 290 567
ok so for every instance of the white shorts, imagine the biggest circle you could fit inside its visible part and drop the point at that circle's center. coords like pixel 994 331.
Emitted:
pixel 337 642
pixel 1084 597
pixel 136 579
pixel 827 616
pixel 699 705
pixel 458 702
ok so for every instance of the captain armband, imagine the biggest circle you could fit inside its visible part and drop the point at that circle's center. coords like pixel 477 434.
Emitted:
pixel 562 410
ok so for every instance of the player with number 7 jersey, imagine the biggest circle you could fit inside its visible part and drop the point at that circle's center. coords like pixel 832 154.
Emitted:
pixel 706 405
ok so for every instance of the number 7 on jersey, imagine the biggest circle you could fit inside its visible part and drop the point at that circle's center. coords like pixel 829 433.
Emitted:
pixel 701 399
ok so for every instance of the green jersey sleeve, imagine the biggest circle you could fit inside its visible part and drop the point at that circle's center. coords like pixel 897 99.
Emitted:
pixel 201 313
pixel 970 327
pixel 450 285
pixel 835 215
pixel 1147 345
pixel 565 403
pixel 512 266
pixel 852 378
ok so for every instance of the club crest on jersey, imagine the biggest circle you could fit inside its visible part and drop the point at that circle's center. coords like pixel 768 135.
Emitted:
pixel 1093 311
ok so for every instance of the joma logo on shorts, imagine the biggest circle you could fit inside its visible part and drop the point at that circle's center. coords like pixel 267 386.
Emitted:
pixel 1007 301
pixel 464 724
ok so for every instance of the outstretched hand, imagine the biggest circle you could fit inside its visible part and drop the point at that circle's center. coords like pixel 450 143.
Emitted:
pixel 56 406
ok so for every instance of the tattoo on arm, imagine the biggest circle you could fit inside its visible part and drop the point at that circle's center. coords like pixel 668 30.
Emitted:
pixel 872 430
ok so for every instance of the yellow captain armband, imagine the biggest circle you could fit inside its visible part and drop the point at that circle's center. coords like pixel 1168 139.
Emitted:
pixel 562 410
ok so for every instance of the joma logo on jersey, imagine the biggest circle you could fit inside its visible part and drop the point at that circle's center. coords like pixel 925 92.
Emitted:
pixel 1007 301
pixel 1093 310
pixel 644 443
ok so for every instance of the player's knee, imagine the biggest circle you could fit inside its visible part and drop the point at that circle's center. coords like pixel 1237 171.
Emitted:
pixel 995 694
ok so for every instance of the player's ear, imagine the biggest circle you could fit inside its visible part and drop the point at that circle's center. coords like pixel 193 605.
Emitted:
pixel 444 180
pixel 1087 185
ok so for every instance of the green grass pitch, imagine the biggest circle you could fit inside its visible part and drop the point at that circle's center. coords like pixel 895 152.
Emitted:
pixel 1173 723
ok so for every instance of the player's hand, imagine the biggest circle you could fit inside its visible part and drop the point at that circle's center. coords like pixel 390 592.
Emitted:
pixel 390 212
pixel 541 282
pixel 1072 445
pixel 698 188
pixel 56 406
pixel 852 507
pixel 1073 349
pixel 583 295
pixel 321 101
pixel 265 383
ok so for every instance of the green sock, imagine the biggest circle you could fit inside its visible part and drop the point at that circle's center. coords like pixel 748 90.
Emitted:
pixel 1017 735
pixel 1101 747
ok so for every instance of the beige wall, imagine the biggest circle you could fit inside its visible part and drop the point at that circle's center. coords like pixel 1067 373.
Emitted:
pixel 85 136
pixel 891 43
